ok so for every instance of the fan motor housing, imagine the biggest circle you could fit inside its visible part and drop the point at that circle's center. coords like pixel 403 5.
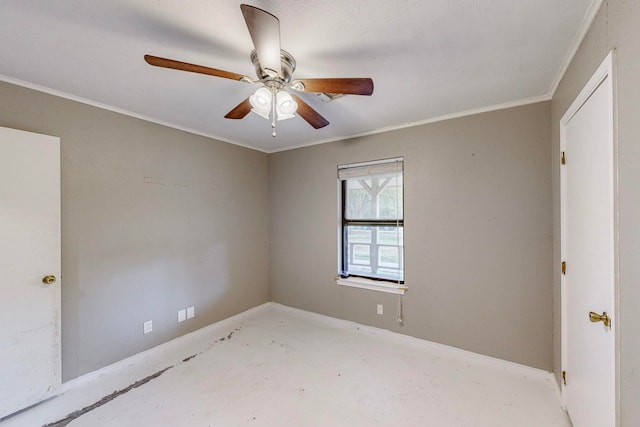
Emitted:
pixel 287 61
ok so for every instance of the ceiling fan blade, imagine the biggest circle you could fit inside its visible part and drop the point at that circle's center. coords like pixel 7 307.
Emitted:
pixel 184 66
pixel 240 110
pixel 265 34
pixel 355 86
pixel 309 114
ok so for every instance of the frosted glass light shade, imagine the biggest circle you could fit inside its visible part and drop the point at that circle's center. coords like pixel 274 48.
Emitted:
pixel 261 102
pixel 286 106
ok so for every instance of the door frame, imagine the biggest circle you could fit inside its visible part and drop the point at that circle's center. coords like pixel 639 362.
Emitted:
pixel 604 75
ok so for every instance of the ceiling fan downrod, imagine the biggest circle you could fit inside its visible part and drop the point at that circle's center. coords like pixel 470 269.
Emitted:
pixel 273 111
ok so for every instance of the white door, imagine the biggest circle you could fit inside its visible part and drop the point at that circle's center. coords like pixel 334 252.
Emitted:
pixel 29 250
pixel 588 207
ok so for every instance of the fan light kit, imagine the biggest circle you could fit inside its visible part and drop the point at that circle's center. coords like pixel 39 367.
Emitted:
pixel 274 68
pixel 278 102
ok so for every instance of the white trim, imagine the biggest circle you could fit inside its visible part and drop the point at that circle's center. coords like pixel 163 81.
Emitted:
pixel 575 45
pixel 122 111
pixel 558 390
pixel 586 24
pixel 605 74
pixel 372 285
pixel 616 229
pixel 604 70
pixel 472 356
pixel 563 296
pixel 470 112
pixel 143 358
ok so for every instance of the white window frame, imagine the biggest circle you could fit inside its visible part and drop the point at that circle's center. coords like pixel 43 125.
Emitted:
pixel 372 168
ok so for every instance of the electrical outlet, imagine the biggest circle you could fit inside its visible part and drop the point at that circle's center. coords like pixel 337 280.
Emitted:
pixel 182 315
pixel 148 326
pixel 380 309
pixel 191 312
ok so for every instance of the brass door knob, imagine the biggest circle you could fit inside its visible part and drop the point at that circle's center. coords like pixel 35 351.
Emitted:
pixel 49 280
pixel 595 317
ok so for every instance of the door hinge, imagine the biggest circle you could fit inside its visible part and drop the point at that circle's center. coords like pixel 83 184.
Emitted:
pixel 564 377
pixel 563 160
pixel 564 267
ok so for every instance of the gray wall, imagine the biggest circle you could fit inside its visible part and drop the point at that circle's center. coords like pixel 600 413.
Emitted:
pixel 195 233
pixel 616 27
pixel 477 232
pixel 478 223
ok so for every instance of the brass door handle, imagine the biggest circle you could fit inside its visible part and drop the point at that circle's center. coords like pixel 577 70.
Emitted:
pixel 49 280
pixel 595 317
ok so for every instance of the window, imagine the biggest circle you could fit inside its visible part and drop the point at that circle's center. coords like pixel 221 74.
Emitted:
pixel 372 226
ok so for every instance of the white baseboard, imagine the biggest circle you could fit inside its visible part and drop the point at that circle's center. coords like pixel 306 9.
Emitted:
pixel 150 361
pixel 154 359
pixel 470 355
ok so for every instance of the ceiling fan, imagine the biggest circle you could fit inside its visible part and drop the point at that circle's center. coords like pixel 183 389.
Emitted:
pixel 274 68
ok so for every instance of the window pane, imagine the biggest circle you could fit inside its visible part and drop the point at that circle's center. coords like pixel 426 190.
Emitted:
pixel 374 198
pixel 361 254
pixel 389 256
pixel 375 251
pixel 391 236
pixel 359 235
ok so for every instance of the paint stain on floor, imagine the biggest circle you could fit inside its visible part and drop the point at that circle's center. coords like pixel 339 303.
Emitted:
pixel 284 368
pixel 228 337
pixel 76 414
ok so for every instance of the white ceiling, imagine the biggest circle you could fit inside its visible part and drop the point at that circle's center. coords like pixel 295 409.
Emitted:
pixel 427 58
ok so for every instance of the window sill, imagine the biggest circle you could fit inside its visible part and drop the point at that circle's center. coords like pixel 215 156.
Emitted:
pixel 372 285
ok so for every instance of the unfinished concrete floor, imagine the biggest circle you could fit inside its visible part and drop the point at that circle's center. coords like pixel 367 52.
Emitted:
pixel 277 366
